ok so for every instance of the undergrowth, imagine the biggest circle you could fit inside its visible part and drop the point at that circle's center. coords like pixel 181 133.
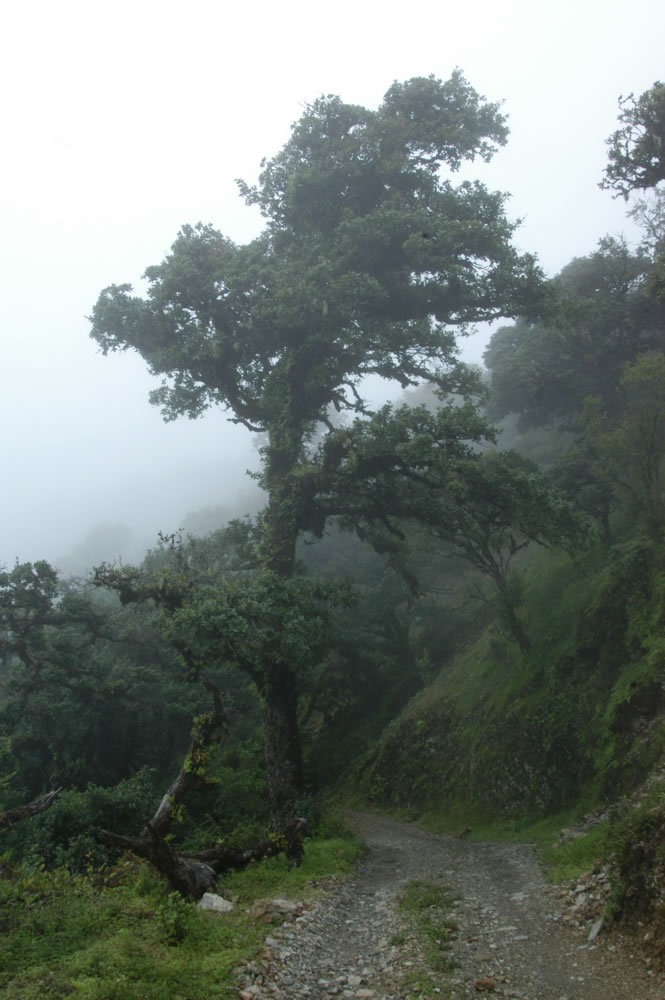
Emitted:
pixel 64 934
pixel 501 740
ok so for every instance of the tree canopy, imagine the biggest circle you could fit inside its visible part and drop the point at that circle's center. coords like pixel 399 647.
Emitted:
pixel 636 151
pixel 601 315
pixel 629 453
pixel 368 251
pixel 414 466
pixel 88 692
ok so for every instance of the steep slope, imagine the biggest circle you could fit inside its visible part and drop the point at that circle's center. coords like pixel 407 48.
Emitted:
pixel 523 745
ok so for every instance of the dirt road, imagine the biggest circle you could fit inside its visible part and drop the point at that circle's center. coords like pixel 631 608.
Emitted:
pixel 510 939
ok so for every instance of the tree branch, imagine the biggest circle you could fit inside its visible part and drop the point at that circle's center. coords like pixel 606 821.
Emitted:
pixel 39 805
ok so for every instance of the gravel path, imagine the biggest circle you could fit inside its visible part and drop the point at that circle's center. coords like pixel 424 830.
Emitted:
pixel 511 939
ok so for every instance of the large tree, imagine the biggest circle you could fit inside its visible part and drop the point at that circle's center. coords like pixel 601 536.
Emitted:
pixel 369 255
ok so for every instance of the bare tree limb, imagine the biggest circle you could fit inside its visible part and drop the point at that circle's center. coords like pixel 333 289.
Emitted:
pixel 39 805
pixel 192 874
pixel 206 732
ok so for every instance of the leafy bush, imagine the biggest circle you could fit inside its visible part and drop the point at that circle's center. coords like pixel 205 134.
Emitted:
pixel 65 836
pixel 63 935
pixel 175 917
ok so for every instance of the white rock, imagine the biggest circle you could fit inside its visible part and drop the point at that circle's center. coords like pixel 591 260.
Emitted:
pixel 596 929
pixel 211 901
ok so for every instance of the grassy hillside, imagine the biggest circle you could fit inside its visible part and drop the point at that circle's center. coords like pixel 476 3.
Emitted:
pixel 575 723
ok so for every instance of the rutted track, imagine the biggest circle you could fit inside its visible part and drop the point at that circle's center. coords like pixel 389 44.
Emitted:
pixel 509 930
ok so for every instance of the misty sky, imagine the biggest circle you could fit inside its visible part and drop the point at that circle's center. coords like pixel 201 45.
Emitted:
pixel 123 121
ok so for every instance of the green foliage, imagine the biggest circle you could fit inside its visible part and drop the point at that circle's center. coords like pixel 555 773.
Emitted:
pixel 109 944
pixel 637 150
pixel 89 691
pixel 256 622
pixel 574 721
pixel 415 465
pixel 176 918
pixel 369 255
pixel 62 935
pixel 632 453
pixel 364 242
pixel 233 807
pixel 5 752
pixel 65 835
pixel 371 666
pixel 638 850
pixel 601 315
pixel 649 214
pixel 579 474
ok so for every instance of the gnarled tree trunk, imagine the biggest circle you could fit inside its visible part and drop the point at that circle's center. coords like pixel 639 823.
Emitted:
pixel 281 732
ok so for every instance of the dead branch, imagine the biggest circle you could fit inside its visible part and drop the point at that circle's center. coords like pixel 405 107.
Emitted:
pixel 192 874
pixel 205 734
pixel 19 813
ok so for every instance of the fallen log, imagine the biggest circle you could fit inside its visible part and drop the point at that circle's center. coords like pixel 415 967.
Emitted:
pixel 190 878
pixel 192 874
pixel 288 840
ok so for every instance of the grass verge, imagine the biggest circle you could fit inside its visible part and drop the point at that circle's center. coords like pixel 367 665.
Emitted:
pixel 562 860
pixel 427 909
pixel 64 935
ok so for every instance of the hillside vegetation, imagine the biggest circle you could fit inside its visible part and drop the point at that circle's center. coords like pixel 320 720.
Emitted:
pixel 434 613
pixel 575 723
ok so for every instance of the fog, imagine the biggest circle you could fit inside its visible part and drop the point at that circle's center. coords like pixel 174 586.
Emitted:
pixel 124 121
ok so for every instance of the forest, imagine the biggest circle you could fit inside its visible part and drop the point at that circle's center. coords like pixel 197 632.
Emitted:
pixel 450 607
